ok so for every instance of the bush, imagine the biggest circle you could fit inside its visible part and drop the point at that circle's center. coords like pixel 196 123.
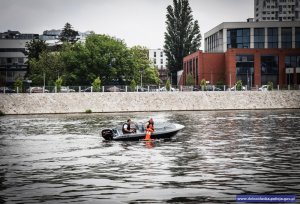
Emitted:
pixel 18 84
pixel 270 86
pixel 1 113
pixel 58 83
pixel 203 85
pixel 168 85
pixel 132 85
pixel 88 111
pixel 96 84
pixel 189 80
pixel 239 85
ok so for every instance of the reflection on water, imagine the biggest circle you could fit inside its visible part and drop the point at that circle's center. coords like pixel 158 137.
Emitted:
pixel 62 159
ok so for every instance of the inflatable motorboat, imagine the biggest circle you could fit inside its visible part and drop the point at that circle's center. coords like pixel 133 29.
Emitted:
pixel 161 131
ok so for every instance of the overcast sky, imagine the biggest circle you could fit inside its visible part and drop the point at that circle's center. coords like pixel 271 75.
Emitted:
pixel 137 22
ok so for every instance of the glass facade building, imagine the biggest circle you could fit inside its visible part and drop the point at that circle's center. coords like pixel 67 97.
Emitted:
pixel 269 69
pixel 245 69
pixel 238 38
pixel 272 37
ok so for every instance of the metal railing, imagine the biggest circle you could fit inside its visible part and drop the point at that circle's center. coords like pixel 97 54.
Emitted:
pixel 150 88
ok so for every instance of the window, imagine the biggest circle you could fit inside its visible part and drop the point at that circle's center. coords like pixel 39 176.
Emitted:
pixel 297 37
pixel 161 61
pixel 21 60
pixel 9 60
pixel 245 69
pixel 238 38
pixel 154 61
pixel 272 37
pixel 286 37
pixel 269 69
pixel 291 61
pixel 154 54
pixel 259 38
pixel 161 54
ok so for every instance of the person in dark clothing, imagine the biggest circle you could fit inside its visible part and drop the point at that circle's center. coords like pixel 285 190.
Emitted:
pixel 150 124
pixel 126 129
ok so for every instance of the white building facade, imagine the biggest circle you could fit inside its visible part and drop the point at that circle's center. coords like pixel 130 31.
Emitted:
pixel 268 34
pixel 159 60
pixel 277 10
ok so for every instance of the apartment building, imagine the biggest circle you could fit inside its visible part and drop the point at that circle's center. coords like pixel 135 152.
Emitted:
pixel 12 55
pixel 159 60
pixel 277 10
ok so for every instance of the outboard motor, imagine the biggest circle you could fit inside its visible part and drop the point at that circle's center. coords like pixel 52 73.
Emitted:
pixel 107 134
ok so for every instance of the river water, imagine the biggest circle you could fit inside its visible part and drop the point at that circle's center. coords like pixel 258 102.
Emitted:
pixel 62 158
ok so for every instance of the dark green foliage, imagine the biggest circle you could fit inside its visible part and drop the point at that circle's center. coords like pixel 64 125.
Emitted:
pixel 18 85
pixel 168 85
pixel 68 34
pixel 270 86
pixel 1 113
pixel 182 36
pixel 239 85
pixel 58 84
pixel 49 64
pixel 34 48
pixel 189 80
pixel 132 85
pixel 100 55
pixel 88 111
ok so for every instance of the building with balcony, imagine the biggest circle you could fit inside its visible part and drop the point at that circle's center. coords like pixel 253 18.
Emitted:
pixel 12 56
pixel 159 60
pixel 277 10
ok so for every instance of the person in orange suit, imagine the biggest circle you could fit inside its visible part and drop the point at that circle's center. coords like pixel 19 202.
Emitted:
pixel 150 129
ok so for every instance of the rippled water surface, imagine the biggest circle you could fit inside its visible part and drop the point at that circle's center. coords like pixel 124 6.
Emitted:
pixel 62 158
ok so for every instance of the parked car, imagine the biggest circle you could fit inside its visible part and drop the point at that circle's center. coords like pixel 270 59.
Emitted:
pixel 7 90
pixel 37 90
pixel 211 88
pixel 65 89
pixel 165 89
pixel 263 88
pixel 86 90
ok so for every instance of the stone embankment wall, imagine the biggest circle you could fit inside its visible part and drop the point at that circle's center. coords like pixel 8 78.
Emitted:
pixel 163 101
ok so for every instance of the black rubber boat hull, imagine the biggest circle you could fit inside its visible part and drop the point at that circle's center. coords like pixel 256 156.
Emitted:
pixel 113 134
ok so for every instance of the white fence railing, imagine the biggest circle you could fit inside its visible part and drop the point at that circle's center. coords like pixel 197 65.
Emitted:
pixel 152 88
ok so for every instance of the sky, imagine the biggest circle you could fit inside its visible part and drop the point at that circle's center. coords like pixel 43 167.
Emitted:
pixel 137 22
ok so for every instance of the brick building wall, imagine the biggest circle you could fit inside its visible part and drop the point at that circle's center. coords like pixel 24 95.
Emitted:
pixel 216 67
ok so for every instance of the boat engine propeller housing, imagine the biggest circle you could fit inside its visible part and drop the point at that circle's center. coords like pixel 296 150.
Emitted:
pixel 107 134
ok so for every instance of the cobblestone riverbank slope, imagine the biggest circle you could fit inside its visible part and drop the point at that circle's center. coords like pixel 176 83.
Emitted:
pixel 45 103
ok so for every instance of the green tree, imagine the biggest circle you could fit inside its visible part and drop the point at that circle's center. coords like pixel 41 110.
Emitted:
pixel 49 65
pixel 68 34
pixel 18 85
pixel 190 80
pixel 182 36
pixel 168 85
pixel 132 85
pixel 96 84
pixel 58 83
pixel 33 50
pixel 142 65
